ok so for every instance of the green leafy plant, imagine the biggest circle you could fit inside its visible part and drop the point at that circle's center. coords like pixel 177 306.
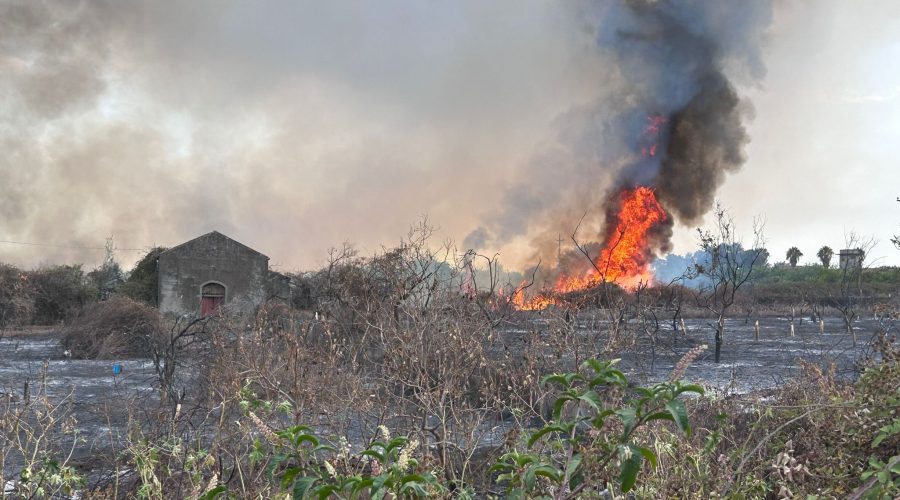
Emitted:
pixel 883 478
pixel 587 434
pixel 47 477
pixel 307 468
pixel 302 465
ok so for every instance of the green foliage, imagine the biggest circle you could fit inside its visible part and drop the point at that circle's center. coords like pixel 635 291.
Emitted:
pixel 160 461
pixel 816 274
pixel 825 254
pixel 885 473
pixel 46 477
pixel 878 392
pixel 307 468
pixel 105 280
pixel 588 431
pixel 59 293
pixel 793 256
pixel 886 477
pixel 784 283
pixel 302 465
pixel 793 275
pixel 143 280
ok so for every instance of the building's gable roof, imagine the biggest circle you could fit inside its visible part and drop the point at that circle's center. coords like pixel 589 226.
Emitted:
pixel 213 234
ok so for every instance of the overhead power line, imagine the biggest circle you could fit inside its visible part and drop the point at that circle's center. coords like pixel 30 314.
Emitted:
pixel 70 247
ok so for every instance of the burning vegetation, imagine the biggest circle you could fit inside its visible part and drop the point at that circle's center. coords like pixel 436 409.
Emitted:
pixel 658 146
pixel 636 227
pixel 626 255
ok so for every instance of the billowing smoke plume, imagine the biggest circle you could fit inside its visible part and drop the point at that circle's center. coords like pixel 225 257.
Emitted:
pixel 670 118
pixel 305 124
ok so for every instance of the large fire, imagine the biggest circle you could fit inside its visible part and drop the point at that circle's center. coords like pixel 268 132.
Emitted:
pixel 625 258
pixel 626 255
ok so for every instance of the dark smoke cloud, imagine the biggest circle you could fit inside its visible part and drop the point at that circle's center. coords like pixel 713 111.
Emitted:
pixel 706 141
pixel 675 60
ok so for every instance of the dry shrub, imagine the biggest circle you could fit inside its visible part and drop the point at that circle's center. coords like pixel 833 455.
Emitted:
pixel 16 297
pixel 116 328
pixel 38 436
pixel 287 355
pixel 395 343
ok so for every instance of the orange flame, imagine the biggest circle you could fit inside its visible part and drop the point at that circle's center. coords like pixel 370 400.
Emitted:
pixel 627 255
pixel 625 258
pixel 538 302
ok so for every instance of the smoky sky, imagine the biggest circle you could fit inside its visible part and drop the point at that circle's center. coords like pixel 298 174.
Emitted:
pixel 295 126
pixel 292 126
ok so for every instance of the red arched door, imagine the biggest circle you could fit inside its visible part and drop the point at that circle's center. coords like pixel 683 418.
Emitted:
pixel 212 296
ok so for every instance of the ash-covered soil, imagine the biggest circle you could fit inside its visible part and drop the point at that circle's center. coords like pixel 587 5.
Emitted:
pixel 36 367
pixel 100 398
pixel 747 364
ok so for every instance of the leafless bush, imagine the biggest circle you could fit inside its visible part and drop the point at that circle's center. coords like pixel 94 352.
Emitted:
pixel 847 300
pixel 730 268
pixel 116 328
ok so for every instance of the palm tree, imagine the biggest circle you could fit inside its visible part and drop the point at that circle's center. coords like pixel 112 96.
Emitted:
pixel 896 239
pixel 824 255
pixel 793 255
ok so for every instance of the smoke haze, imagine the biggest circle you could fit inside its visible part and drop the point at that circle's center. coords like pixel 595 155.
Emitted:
pixel 301 125
pixel 292 127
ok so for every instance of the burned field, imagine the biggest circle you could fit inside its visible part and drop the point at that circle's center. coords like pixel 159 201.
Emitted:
pixel 467 387
pixel 749 363
pixel 96 389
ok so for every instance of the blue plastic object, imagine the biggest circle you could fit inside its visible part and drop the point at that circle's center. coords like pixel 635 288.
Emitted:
pixel 117 369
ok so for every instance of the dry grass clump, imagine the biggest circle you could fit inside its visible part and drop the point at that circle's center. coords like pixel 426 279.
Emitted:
pixel 116 328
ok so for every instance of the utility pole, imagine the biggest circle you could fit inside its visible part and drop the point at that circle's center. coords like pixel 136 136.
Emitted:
pixel 110 257
pixel 558 249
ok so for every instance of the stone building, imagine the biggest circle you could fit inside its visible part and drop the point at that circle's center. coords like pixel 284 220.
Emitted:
pixel 207 272
pixel 851 258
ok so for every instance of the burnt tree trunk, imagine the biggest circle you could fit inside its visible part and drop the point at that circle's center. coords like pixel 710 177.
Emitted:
pixel 720 330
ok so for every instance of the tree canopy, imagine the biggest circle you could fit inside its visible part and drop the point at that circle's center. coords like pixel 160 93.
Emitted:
pixel 793 256
pixel 825 254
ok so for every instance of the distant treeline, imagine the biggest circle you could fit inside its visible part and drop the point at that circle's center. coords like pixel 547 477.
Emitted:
pixel 681 269
pixel 53 294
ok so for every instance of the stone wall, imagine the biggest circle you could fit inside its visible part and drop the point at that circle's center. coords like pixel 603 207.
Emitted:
pixel 213 257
